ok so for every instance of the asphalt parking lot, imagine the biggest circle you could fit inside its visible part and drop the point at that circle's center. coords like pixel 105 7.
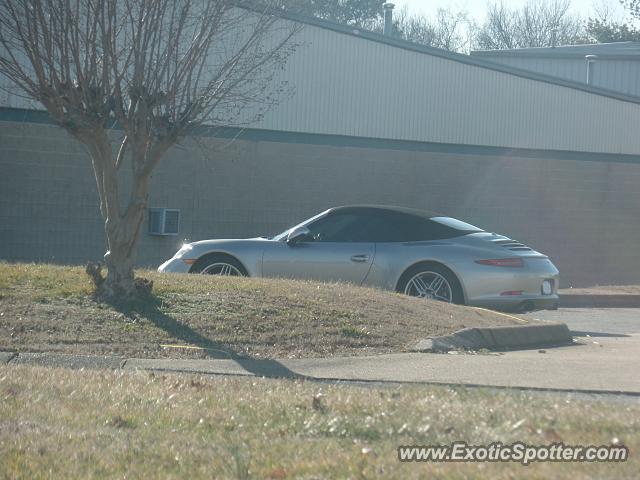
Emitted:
pixel 601 322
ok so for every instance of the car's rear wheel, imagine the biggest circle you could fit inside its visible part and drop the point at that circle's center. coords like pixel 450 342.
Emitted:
pixel 220 265
pixel 431 282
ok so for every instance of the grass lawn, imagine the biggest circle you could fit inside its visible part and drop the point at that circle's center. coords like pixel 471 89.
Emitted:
pixel 57 423
pixel 51 308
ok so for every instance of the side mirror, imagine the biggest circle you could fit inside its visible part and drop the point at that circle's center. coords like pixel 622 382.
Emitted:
pixel 297 235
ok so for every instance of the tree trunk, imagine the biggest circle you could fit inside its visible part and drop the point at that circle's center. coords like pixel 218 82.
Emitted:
pixel 122 229
pixel 120 261
pixel 122 238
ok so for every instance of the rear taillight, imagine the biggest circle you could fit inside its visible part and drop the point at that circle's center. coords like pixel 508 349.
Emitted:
pixel 502 262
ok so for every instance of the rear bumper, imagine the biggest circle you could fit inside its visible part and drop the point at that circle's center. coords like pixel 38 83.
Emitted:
pixel 513 289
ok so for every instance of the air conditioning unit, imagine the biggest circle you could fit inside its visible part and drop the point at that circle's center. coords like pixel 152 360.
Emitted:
pixel 164 221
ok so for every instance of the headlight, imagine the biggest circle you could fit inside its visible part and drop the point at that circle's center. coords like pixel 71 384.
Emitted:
pixel 187 247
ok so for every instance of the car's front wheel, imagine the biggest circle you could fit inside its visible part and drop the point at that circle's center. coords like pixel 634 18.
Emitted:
pixel 430 281
pixel 221 265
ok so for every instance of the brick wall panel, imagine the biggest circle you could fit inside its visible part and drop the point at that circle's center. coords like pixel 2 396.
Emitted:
pixel 582 214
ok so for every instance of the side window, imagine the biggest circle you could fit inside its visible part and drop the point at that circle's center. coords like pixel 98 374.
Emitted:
pixel 338 227
pixel 382 226
pixel 378 226
pixel 368 226
pixel 403 227
pixel 409 228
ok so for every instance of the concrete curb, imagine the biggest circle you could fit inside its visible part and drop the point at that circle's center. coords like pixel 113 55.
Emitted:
pixel 600 301
pixel 499 338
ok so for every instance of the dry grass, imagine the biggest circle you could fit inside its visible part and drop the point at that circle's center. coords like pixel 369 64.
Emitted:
pixel 57 423
pixel 50 308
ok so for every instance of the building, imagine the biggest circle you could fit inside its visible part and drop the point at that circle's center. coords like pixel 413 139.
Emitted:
pixel 551 162
pixel 612 66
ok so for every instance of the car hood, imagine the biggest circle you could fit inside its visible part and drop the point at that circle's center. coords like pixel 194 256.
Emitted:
pixel 227 241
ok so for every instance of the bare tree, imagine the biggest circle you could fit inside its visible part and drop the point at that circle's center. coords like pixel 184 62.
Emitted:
pixel 448 30
pixel 632 6
pixel 156 70
pixel 607 26
pixel 358 13
pixel 633 9
pixel 545 23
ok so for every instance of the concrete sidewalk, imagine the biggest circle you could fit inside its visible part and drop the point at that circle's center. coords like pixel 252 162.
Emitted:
pixel 605 364
pixel 611 365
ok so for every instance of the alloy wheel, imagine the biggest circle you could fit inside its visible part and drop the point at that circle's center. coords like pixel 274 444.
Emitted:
pixel 222 269
pixel 429 285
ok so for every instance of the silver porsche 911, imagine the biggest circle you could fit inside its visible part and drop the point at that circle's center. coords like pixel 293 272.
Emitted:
pixel 399 249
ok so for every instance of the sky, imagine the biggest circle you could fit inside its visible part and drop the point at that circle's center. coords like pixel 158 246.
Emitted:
pixel 476 8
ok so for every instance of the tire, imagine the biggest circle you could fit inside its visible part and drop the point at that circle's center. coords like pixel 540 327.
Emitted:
pixel 428 272
pixel 219 264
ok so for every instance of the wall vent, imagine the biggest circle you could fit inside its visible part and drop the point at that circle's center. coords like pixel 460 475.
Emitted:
pixel 164 221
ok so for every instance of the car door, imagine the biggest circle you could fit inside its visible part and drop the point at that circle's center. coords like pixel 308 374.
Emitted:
pixel 336 251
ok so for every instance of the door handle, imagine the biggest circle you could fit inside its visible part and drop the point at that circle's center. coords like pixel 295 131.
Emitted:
pixel 360 258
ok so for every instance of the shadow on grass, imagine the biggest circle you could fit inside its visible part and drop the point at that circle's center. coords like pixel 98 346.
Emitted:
pixel 149 307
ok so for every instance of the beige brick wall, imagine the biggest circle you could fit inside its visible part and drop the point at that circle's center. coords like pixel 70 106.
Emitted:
pixel 583 214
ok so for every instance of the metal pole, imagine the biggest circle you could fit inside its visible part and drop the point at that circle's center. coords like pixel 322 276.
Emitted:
pixel 388 18
pixel 591 67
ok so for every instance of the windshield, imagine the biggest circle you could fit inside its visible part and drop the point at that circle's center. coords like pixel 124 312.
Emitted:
pixel 283 235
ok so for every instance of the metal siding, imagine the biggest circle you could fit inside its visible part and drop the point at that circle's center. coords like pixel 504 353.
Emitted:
pixel 351 86
pixel 619 74
pixel 345 85
pixel 568 69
